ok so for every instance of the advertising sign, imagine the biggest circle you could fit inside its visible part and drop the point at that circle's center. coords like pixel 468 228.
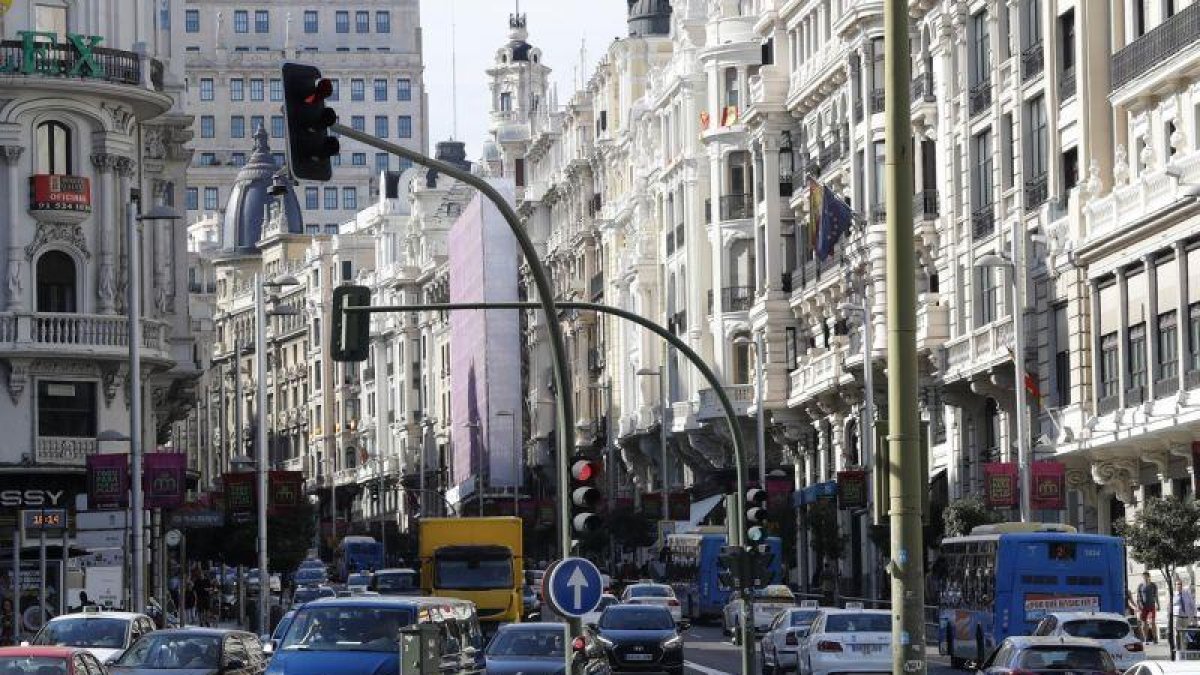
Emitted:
pixel 852 489
pixel 54 192
pixel 105 585
pixel 108 482
pixel 287 489
pixel 1000 484
pixel 239 496
pixel 164 479
pixel 1049 486
pixel 1038 605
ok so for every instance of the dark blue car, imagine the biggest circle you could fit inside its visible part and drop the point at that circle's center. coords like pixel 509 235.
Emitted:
pixel 540 649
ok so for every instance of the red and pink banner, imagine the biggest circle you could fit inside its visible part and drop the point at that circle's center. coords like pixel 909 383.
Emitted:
pixel 164 479
pixel 1049 481
pixel 1000 484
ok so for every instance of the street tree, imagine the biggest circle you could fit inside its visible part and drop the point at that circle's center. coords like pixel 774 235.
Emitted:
pixel 963 515
pixel 1163 536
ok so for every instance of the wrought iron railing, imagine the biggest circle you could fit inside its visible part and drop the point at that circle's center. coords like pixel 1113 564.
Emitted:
pixel 1107 404
pixel 1033 61
pixel 1037 190
pixel 925 204
pixel 734 207
pixel 1157 46
pixel 877 100
pixel 922 88
pixel 981 97
pixel 1066 84
pixel 983 221
pixel 61 59
pixel 733 299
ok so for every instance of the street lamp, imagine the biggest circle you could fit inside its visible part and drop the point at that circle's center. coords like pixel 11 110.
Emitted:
pixel 106 436
pixel 867 438
pixel 662 430
pixel 517 453
pixel 1015 266
pixel 759 407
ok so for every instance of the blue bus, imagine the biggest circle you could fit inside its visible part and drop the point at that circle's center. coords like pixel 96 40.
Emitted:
pixel 358 554
pixel 1002 579
pixel 693 567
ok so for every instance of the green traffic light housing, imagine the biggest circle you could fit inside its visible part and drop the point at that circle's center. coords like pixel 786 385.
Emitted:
pixel 756 516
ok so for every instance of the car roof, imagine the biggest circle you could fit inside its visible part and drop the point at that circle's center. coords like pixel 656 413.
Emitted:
pixel 201 632
pixel 385 601
pixel 1022 641
pixel 47 651
pixel 1075 616
pixel 839 610
pixel 630 607
pixel 105 614
pixel 1175 667
pixel 396 570
pixel 531 625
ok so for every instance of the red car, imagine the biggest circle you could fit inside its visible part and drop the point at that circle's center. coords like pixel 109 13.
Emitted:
pixel 49 661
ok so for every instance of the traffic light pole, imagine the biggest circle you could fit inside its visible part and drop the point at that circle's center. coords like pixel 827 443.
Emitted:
pixel 739 451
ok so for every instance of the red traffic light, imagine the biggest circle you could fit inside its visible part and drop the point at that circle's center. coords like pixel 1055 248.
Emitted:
pixel 584 470
pixel 322 90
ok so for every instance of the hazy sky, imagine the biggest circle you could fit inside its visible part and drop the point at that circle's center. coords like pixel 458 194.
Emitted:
pixel 481 27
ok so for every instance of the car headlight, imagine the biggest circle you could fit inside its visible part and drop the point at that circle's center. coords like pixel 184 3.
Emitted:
pixel 673 643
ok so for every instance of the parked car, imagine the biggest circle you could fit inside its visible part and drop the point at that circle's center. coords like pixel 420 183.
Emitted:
pixel 641 638
pixel 358 580
pixel 1109 629
pixel 103 633
pixel 847 639
pixel 1037 655
pixel 781 645
pixel 310 576
pixel 646 593
pixel 540 649
pixel 193 651
pixel 50 661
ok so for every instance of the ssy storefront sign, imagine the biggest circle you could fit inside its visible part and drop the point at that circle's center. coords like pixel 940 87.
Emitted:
pixel 1000 484
pixel 287 489
pixel 239 496
pixel 852 489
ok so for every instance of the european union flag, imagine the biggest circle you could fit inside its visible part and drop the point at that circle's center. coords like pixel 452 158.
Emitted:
pixel 829 218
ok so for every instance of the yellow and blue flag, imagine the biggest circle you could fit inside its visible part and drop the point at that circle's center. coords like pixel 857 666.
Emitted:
pixel 829 218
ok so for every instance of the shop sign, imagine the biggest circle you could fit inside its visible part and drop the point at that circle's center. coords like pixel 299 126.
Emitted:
pixel 1049 486
pixel 53 192
pixel 852 489
pixel 42 54
pixel 1000 480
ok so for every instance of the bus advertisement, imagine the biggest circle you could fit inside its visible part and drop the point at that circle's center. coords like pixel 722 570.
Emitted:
pixel 1002 579
pixel 694 567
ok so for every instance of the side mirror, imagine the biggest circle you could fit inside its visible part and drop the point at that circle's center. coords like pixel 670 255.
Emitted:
pixel 268 646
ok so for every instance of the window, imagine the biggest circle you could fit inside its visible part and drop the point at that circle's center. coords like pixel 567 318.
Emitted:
pixel 342 22
pixel 989 296
pixel 1031 19
pixel 241 21
pixel 380 87
pixel 208 159
pixel 208 126
pixel 1168 347
pixel 1035 112
pixel 310 21
pixel 238 158
pixel 350 198
pixel 279 158
pixel 1137 362
pixel 193 198
pixel 237 126
pixel 55 282
pixel 276 126
pixel 54 152
pixel 358 159
pixel 257 122
pixel 256 89
pixel 362 22
pixel 1194 335
pixel 276 89
pixel 381 126
pixel 206 89
pixel 1070 168
pixel 381 161
pixel 66 408
pixel 383 22
pixel 191 21
pixel 210 199
pixel 981 176
pixel 1066 24
pixel 1108 366
pixel 1008 140
pixel 981 55
pixel 331 202
pixel 1062 357
pixel 404 127
pixel 337 89
pixel 357 89
pixel 262 21
pixel 1139 18
pixel 358 122
pixel 505 101
pixel 404 89
pixel 311 198
pixel 347 270
pixel 237 89
pixel 731 88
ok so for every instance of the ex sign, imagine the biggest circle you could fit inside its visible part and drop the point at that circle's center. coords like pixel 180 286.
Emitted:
pixel 573 587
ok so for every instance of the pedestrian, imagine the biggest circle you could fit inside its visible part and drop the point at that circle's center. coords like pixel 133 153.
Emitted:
pixel 1147 599
pixel 1184 605
pixel 201 587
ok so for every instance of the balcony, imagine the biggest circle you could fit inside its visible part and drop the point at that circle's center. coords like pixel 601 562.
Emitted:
pixel 1135 396
pixel 1066 84
pixel 64 60
pixel 877 100
pixel 981 349
pixel 97 335
pixel 925 204
pixel 983 221
pixel 369 374
pixel 1033 62
pixel 63 451
pixel 922 89
pixel 740 395
pixel 735 207
pixel 1107 404
pixel 733 299
pixel 1192 380
pixel 678 322
pixel 1156 47
pixel 831 153
pixel 933 323
pixel 822 370
pixel 980 97
pixel 811 271
pixel 879 214
pixel 1036 192
pixel 596 287
pixel 1165 387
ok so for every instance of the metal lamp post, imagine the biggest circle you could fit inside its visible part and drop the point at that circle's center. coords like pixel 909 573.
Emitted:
pixel 1015 266
pixel 662 431
pixel 759 407
pixel 868 433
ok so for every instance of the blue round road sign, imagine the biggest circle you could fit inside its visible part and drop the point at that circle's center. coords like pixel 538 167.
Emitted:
pixel 575 587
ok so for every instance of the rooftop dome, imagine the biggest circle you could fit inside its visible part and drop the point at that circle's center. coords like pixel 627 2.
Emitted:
pixel 649 17
pixel 245 210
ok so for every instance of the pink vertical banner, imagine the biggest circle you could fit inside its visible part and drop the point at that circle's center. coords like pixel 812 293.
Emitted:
pixel 163 479
pixel 1049 486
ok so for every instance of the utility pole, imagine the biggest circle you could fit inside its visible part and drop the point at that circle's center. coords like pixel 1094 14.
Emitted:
pixel 904 463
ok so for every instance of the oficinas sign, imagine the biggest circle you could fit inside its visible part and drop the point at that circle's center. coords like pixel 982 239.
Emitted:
pixel 41 54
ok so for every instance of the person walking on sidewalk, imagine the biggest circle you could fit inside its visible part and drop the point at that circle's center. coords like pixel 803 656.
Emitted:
pixel 1147 599
pixel 1184 607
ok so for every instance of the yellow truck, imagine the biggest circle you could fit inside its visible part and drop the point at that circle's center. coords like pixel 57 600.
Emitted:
pixel 476 559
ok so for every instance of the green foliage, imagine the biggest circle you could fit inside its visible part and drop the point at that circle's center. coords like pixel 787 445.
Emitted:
pixel 961 516
pixel 289 536
pixel 824 537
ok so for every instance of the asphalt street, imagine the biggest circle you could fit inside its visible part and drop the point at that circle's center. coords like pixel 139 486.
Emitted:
pixel 708 652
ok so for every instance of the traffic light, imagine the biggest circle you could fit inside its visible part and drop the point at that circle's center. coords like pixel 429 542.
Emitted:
pixel 584 494
pixel 308 121
pixel 351 330
pixel 758 565
pixel 756 516
pixel 730 566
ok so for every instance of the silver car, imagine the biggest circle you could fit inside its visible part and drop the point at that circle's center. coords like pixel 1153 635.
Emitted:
pixel 781 645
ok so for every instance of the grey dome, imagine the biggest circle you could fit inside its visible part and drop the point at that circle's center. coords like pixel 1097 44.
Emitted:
pixel 649 17
pixel 244 212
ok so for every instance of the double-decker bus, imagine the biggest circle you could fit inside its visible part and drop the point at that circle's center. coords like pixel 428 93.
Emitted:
pixel 1000 580
pixel 694 568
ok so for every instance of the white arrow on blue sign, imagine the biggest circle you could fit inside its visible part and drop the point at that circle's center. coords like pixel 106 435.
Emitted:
pixel 575 586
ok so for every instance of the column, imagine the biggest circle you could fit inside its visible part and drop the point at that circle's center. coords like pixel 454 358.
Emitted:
pixel 1152 327
pixel 773 246
pixel 10 155
pixel 1123 335
pixel 107 216
pixel 1181 314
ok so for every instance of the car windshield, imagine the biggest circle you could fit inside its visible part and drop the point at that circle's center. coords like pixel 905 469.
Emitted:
pixel 32 665
pixel 358 580
pixel 546 642
pixel 1065 658
pixel 304 595
pixel 173 651
pixel 636 618
pixel 393 582
pixel 605 601
pixel 1098 629
pixel 97 633
pixel 803 618
pixel 283 626
pixel 467 574
pixel 649 592
pixel 367 629
pixel 858 623
pixel 310 575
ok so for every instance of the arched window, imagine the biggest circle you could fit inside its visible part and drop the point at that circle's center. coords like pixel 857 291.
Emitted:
pixel 55 282
pixel 741 359
pixel 53 148
pixel 351 458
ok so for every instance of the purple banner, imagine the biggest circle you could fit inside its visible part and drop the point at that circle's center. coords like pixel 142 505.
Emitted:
pixel 164 479
pixel 108 482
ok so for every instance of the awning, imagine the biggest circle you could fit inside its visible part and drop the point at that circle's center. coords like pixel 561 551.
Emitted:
pixel 813 493
pixel 702 508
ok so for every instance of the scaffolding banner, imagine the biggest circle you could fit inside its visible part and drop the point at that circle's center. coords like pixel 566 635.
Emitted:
pixel 1000 480
pixel 1049 486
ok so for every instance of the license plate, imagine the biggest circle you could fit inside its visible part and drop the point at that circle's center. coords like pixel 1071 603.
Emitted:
pixel 867 649
pixel 639 657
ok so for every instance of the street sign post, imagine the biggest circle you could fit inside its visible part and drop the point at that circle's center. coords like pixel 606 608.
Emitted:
pixel 574 586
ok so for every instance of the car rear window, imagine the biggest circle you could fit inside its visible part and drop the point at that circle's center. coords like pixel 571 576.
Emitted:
pixel 858 623
pixel 803 618
pixel 1065 658
pixel 1097 629
pixel 650 592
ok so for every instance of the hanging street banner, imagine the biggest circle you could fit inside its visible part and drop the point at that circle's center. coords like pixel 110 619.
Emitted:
pixel 108 482
pixel 1049 486
pixel 1000 484
pixel 239 497
pixel 287 489
pixel 164 478
pixel 852 489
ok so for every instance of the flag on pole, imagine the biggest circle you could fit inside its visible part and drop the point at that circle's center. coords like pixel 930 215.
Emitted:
pixel 1029 380
pixel 829 218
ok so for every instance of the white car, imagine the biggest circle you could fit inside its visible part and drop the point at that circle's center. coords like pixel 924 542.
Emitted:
pixel 1109 629
pixel 768 603
pixel 842 640
pixel 653 594
pixel 1165 668
pixel 102 633
pixel 593 617
pixel 781 645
